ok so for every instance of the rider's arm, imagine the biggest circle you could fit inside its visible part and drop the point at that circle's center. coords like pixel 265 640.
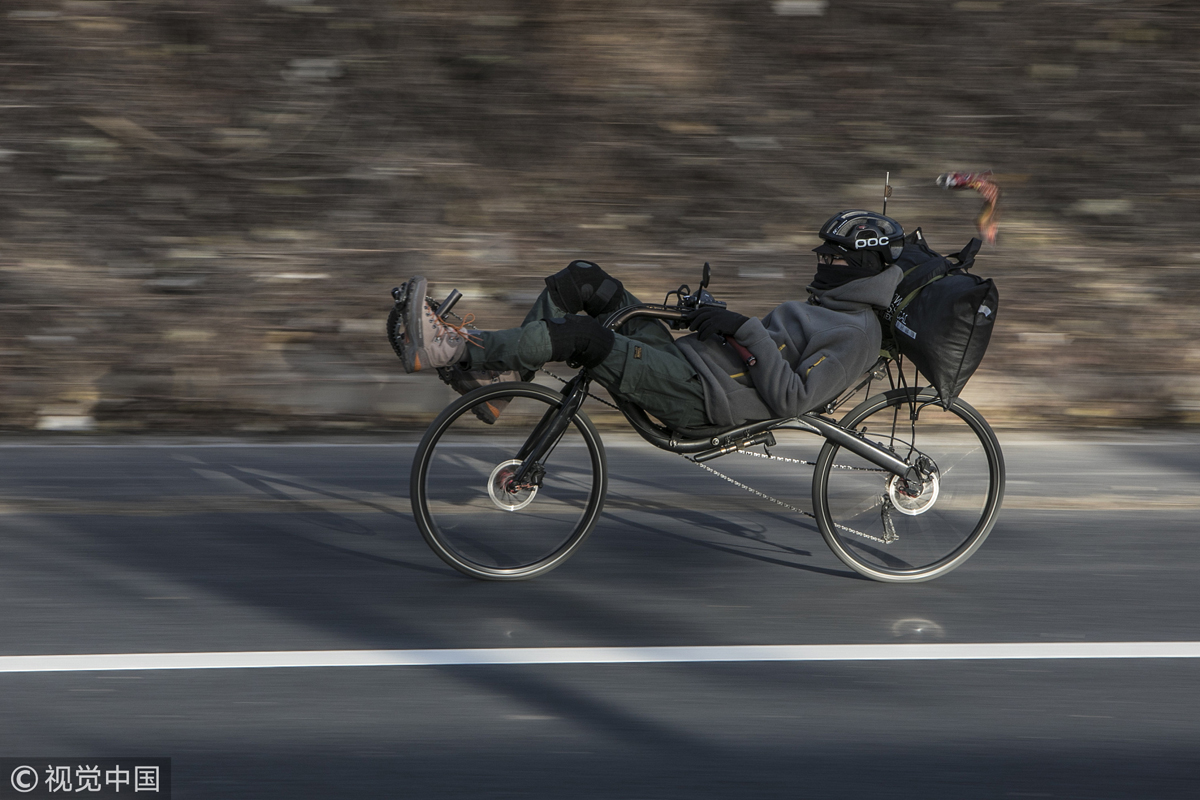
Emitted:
pixel 822 373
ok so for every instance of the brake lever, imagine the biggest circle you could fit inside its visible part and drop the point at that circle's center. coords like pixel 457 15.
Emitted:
pixel 690 302
pixel 705 298
pixel 680 294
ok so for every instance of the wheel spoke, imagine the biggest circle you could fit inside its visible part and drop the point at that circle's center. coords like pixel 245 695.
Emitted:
pixel 472 513
pixel 927 532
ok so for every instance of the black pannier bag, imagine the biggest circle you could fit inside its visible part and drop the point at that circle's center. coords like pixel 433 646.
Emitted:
pixel 942 316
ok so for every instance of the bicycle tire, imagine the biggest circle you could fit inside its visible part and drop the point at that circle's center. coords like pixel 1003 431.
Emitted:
pixel 482 530
pixel 855 502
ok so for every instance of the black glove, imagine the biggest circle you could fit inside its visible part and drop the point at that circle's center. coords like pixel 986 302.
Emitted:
pixel 709 320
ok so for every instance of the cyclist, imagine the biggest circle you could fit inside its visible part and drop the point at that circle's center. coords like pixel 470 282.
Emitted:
pixel 802 353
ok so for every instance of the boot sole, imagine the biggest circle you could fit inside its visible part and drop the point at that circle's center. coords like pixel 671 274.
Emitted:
pixel 414 351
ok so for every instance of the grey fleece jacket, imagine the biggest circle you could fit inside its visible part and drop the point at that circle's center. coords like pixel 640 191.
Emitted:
pixel 806 354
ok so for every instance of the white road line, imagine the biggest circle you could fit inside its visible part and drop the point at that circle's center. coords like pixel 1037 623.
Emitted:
pixel 599 655
pixel 198 445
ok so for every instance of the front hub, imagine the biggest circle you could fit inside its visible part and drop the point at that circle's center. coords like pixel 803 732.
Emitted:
pixel 504 493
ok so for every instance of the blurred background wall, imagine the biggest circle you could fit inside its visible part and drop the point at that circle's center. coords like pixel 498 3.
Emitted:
pixel 204 203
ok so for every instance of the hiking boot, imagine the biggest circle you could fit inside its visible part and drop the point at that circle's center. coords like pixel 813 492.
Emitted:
pixel 428 341
pixel 463 381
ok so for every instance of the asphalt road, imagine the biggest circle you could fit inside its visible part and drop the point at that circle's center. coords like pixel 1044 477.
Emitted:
pixel 202 546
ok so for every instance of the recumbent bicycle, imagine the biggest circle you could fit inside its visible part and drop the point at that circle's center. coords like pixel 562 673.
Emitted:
pixel 905 488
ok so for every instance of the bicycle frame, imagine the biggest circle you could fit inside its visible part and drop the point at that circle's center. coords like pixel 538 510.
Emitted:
pixel 554 422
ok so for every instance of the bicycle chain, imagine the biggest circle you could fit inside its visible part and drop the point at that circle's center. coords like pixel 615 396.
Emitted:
pixel 770 457
pixel 589 394
pixel 765 496
pixel 751 489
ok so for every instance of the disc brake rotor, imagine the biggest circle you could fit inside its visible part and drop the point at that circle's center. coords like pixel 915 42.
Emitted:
pixel 912 505
pixel 498 488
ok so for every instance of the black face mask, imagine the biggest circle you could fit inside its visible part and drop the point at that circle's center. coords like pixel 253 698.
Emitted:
pixel 858 265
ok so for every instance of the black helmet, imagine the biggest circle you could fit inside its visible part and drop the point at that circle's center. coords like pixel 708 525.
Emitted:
pixel 855 231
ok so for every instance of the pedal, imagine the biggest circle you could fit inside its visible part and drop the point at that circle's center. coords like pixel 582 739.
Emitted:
pixel 443 308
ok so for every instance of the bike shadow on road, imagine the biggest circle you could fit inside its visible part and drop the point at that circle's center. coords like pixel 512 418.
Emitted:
pixel 701 521
pixel 324 507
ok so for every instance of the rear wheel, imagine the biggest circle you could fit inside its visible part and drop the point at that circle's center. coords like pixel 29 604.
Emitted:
pixel 890 531
pixel 472 513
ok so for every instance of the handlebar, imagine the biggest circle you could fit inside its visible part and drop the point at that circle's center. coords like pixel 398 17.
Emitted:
pixel 671 313
pixel 689 301
pixel 675 314
pixel 664 312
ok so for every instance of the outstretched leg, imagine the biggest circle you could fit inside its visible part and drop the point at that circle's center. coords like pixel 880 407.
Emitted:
pixel 639 363
pixel 657 378
pixel 573 338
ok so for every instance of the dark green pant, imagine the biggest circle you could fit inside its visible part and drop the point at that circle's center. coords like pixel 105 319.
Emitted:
pixel 645 367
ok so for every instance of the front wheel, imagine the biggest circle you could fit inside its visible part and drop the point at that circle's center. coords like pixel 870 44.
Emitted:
pixel 470 510
pixel 888 530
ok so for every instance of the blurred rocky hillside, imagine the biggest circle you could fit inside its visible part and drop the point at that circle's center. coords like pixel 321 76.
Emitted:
pixel 203 205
